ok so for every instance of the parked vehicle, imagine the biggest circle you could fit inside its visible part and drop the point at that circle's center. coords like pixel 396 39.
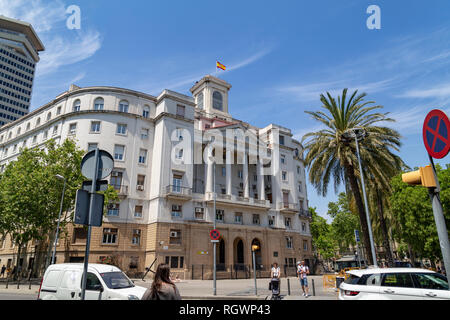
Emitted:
pixel 402 264
pixel 104 282
pixel 394 284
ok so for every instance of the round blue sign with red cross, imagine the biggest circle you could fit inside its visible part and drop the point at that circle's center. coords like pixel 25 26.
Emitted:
pixel 436 130
pixel 214 234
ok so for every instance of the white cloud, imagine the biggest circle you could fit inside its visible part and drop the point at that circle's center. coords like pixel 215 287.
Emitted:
pixel 63 47
pixel 441 91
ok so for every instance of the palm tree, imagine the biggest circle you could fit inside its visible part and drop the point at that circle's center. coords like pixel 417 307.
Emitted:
pixel 332 156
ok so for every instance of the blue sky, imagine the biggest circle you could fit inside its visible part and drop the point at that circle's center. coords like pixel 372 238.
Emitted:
pixel 281 55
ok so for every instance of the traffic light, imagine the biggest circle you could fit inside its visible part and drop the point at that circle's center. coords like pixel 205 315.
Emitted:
pixel 423 177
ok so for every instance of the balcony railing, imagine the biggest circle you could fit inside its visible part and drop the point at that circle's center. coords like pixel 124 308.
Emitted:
pixel 288 206
pixel 178 191
pixel 305 213
pixel 122 190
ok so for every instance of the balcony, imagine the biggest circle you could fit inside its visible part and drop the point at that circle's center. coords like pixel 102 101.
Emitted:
pixel 288 207
pixel 122 190
pixel 177 192
pixel 233 200
pixel 305 214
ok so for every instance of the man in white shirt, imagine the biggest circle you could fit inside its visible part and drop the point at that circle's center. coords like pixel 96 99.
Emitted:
pixel 302 272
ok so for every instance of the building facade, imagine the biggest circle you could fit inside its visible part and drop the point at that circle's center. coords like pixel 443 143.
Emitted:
pixel 19 53
pixel 165 185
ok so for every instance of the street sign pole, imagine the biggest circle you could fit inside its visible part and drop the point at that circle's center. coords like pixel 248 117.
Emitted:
pixel 88 240
pixel 440 222
pixel 214 244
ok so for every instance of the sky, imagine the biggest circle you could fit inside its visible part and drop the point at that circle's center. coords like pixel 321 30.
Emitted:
pixel 280 56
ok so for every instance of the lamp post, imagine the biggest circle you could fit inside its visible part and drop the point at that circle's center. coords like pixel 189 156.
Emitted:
pixel 254 248
pixel 359 134
pixel 211 158
pixel 59 217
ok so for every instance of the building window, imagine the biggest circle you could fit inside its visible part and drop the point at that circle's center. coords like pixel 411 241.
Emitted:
pixel 255 219
pixel 282 140
pixel 92 146
pixel 144 133
pixel 143 156
pixel 179 154
pixel 298 170
pixel 55 130
pixel 45 135
pixel 18 132
pixel 199 213
pixel 176 211
pixel 283 159
pixel 299 187
pixel 28 126
pixel 220 215
pixel 123 106
pixel 113 210
pixel 34 141
pixel 49 116
pixel 271 221
pixel 58 111
pixel 240 175
pixel 303 226
pixel 146 112
pixel 99 104
pixel 200 101
pixel 95 126
pixel 121 129
pixel 287 222
pixel 119 152
pixel 79 235
pixel 177 180
pixel 72 129
pixel 141 180
pixel 138 211
pixel 284 176
pixel 217 101
pixel 76 106
pixel 175 262
pixel 136 239
pixel 175 236
pixel 224 171
pixel 109 236
pixel 305 245
pixel 238 218
pixel 181 110
pixel 38 122
pixel 289 242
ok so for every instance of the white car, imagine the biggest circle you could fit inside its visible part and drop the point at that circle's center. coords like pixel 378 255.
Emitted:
pixel 104 282
pixel 394 284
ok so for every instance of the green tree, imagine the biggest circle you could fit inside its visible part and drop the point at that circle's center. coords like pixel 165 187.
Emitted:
pixel 322 236
pixel 411 207
pixel 332 157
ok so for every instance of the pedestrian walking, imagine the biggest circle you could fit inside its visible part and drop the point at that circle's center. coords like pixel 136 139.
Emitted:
pixel 274 284
pixel 162 287
pixel 302 273
pixel 2 274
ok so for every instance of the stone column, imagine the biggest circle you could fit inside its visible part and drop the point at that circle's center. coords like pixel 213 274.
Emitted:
pixel 228 171
pixel 261 187
pixel 245 176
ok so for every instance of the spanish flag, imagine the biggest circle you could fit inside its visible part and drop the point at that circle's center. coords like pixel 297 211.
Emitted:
pixel 220 66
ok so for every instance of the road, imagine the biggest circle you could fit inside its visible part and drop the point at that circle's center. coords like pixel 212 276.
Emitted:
pixel 17 296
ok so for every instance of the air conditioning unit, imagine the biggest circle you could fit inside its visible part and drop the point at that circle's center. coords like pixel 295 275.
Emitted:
pixel 173 234
pixel 140 188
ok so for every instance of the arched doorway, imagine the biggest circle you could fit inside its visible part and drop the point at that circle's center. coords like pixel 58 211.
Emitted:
pixel 258 254
pixel 239 254
pixel 220 255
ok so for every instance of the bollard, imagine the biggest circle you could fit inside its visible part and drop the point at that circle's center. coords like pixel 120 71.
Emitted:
pixel 313 287
pixel 29 287
pixel 192 276
pixel 18 282
pixel 289 287
pixel 202 272
pixel 7 281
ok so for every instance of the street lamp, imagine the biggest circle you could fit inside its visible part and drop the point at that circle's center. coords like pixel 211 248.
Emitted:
pixel 255 248
pixel 213 160
pixel 359 134
pixel 59 217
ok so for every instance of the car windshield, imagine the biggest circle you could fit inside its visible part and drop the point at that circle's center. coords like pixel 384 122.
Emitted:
pixel 116 280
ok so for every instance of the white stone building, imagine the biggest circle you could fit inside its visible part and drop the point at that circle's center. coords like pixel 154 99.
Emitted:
pixel 166 207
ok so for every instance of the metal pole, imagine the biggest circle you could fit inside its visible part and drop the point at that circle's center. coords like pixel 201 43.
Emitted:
pixel 59 219
pixel 88 240
pixel 214 244
pixel 440 222
pixel 369 224
pixel 254 272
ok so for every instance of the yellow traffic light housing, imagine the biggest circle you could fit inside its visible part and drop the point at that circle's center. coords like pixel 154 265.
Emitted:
pixel 424 177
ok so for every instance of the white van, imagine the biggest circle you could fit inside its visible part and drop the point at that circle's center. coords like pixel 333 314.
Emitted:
pixel 104 282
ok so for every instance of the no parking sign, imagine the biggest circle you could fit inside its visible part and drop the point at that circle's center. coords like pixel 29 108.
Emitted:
pixel 436 128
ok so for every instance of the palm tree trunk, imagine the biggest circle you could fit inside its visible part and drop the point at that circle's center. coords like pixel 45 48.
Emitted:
pixel 384 230
pixel 362 215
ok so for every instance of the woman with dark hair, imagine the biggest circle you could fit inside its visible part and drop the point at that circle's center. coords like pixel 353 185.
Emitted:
pixel 162 287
